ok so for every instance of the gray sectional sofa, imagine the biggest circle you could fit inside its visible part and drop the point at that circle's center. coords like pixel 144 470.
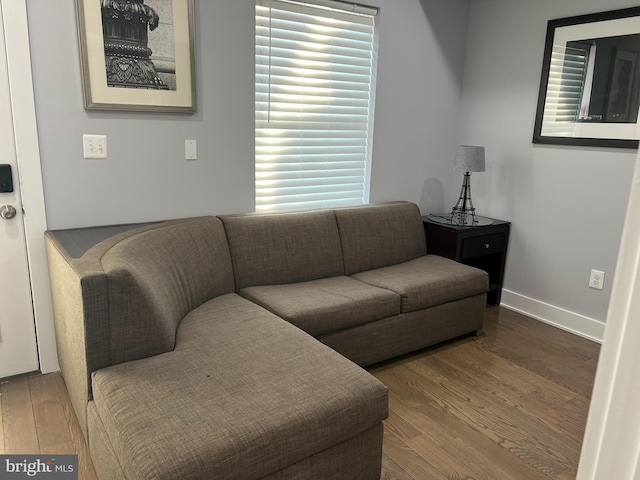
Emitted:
pixel 231 347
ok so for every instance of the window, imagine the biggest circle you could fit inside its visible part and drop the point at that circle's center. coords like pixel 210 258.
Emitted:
pixel 315 89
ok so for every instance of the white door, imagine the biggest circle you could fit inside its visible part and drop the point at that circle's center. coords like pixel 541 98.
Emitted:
pixel 18 351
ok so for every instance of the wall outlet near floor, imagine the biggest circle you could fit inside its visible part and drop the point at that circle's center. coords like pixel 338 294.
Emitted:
pixel 596 280
pixel 94 146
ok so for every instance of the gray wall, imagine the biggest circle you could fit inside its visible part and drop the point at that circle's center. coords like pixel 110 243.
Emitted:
pixel 421 61
pixel 419 82
pixel 567 204
pixel 146 176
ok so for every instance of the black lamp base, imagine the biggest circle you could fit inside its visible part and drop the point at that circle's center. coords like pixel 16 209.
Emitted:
pixel 463 212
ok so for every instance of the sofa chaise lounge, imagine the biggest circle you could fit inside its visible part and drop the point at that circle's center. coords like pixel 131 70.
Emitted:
pixel 232 347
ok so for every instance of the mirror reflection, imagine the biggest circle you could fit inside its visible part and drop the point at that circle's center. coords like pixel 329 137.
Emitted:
pixel 599 80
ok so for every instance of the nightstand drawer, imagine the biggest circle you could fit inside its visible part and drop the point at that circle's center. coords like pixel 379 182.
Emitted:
pixel 483 245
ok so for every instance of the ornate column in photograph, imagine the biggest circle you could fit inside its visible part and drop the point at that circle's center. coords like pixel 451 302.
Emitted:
pixel 125 25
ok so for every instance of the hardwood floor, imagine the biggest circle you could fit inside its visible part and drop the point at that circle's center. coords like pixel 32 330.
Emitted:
pixel 36 417
pixel 510 404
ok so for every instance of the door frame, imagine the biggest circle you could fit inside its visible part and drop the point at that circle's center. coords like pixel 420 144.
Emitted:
pixel 611 447
pixel 14 18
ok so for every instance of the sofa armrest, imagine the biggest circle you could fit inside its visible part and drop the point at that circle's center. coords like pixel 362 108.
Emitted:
pixel 123 298
pixel 80 309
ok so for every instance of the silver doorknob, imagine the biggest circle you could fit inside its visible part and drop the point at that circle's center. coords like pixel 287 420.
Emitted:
pixel 8 212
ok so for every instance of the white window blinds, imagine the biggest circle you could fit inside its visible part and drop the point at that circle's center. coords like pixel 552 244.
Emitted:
pixel 566 81
pixel 315 87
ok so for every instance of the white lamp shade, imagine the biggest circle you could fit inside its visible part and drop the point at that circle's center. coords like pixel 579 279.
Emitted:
pixel 469 158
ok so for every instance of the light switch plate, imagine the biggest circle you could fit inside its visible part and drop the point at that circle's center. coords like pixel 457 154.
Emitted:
pixel 94 146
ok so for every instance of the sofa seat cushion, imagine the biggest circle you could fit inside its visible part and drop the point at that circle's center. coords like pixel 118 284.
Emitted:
pixel 428 281
pixel 237 398
pixel 326 305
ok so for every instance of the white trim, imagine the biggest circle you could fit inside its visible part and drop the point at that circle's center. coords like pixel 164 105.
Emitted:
pixel 611 447
pixel 28 157
pixel 558 317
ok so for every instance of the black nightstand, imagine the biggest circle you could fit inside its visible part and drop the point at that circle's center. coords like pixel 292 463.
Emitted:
pixel 484 247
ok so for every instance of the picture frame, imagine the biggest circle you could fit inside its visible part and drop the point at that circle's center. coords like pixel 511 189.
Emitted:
pixel 589 91
pixel 137 55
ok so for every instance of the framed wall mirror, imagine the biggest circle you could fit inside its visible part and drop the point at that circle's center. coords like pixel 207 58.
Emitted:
pixel 590 83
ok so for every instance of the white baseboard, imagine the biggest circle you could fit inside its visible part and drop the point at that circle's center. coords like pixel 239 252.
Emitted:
pixel 558 317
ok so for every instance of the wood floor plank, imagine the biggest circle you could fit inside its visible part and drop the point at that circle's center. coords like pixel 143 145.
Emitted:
pixel 414 465
pixel 539 352
pixel 577 347
pixel 537 359
pixel 506 413
pixel 85 467
pixel 516 390
pixel 392 471
pixel 54 436
pixel 478 359
pixel 402 429
pixel 489 457
pixel 462 438
pixel 547 400
pixel 444 457
pixel 19 426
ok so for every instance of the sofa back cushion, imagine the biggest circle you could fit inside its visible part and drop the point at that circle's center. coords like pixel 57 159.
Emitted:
pixel 275 249
pixel 158 276
pixel 377 236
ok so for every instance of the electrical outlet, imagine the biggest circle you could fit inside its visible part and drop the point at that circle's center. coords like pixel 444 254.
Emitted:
pixel 94 146
pixel 596 280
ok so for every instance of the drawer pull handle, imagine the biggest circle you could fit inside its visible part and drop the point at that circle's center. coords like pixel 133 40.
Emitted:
pixel 486 245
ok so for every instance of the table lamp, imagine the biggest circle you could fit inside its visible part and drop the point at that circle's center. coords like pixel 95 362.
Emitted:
pixel 469 158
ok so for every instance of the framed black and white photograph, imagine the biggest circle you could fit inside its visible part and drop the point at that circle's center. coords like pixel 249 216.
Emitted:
pixel 590 83
pixel 137 55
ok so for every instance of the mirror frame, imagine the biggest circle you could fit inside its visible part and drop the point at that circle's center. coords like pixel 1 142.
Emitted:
pixel 590 22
